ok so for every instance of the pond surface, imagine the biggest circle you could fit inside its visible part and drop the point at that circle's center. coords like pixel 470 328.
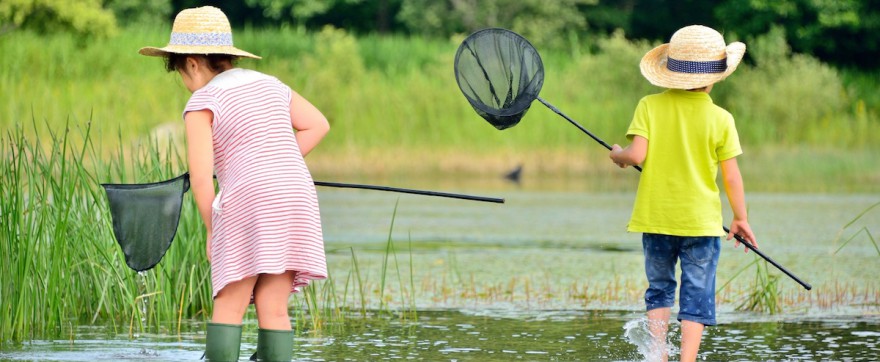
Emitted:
pixel 550 275
pixel 490 335
pixel 551 245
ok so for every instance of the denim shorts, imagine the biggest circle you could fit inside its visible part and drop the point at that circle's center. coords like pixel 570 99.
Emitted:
pixel 699 260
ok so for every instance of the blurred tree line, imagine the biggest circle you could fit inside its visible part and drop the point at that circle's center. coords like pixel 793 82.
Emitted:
pixel 841 32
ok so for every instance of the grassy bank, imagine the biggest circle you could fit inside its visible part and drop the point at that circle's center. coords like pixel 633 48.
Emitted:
pixel 398 92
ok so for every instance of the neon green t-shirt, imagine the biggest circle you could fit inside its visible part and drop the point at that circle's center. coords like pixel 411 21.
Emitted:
pixel 688 136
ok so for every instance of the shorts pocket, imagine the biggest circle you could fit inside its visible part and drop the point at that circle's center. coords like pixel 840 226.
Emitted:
pixel 701 250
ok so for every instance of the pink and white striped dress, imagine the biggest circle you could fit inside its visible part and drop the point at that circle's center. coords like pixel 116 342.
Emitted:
pixel 265 217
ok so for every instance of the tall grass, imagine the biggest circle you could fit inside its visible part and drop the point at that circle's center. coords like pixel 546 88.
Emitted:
pixel 764 295
pixel 397 92
pixel 60 265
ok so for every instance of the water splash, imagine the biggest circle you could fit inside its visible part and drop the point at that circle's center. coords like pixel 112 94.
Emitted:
pixel 638 333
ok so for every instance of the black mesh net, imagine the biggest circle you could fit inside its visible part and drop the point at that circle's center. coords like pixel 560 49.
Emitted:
pixel 500 74
pixel 145 218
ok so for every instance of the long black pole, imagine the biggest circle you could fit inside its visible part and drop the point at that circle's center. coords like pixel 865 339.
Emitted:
pixel 396 189
pixel 738 238
pixel 410 191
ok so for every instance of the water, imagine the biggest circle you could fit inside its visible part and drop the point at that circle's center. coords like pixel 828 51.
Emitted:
pixel 551 275
pixel 493 335
pixel 561 241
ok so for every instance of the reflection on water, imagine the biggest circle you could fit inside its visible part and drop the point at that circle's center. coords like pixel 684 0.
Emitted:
pixel 498 336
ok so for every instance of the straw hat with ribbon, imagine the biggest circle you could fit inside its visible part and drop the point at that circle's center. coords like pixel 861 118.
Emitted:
pixel 203 30
pixel 696 56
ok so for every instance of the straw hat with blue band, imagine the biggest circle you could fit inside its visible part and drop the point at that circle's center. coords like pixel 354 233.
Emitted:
pixel 203 30
pixel 696 56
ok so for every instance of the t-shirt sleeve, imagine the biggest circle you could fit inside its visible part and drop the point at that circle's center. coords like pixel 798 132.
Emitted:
pixel 729 146
pixel 639 124
pixel 201 100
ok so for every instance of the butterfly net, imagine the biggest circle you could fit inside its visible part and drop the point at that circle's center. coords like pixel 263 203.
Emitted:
pixel 500 74
pixel 145 218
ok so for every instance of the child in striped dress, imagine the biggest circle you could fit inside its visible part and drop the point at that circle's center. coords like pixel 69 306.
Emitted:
pixel 264 228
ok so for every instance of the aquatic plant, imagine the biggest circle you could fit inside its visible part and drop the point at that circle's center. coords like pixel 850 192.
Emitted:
pixel 860 230
pixel 764 296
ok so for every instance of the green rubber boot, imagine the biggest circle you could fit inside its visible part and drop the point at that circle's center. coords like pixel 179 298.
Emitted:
pixel 274 346
pixel 223 342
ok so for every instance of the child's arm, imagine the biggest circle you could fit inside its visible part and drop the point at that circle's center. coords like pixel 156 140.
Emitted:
pixel 733 186
pixel 309 123
pixel 632 155
pixel 200 156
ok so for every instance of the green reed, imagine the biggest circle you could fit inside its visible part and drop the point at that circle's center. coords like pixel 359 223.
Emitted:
pixel 61 266
pixel 764 296
pixel 860 229
pixel 405 309
pixel 60 263
pixel 59 260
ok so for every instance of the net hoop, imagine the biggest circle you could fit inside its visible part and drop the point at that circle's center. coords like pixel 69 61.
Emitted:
pixel 500 74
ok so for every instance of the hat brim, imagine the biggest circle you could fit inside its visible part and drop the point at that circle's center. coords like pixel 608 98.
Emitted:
pixel 195 49
pixel 653 66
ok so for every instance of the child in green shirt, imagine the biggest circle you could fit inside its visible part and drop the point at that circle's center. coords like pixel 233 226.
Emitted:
pixel 680 138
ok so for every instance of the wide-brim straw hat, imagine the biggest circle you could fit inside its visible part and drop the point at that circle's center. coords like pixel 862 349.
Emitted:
pixel 203 30
pixel 695 57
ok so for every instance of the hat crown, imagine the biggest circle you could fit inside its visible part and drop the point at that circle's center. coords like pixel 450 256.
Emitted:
pixel 206 19
pixel 203 30
pixel 697 43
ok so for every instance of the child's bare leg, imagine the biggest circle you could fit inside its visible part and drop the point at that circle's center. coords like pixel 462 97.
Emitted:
pixel 232 301
pixel 271 295
pixel 691 336
pixel 658 323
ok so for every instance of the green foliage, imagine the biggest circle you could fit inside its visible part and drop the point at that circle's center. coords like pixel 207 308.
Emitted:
pixel 397 92
pixel 299 10
pixel 331 61
pixel 658 19
pixel 140 12
pixel 82 17
pixel 813 94
pixel 538 20
pixel 839 32
pixel 845 32
pixel 601 88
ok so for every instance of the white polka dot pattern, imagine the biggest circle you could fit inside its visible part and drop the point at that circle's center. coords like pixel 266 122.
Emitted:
pixel 696 67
